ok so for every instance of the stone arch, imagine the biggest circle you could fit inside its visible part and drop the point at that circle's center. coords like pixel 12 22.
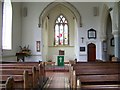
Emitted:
pixel 65 4
pixel 107 13
pixel 115 17
pixel 104 17
pixel 46 14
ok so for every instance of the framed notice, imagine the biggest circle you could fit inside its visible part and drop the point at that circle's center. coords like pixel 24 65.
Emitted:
pixel 38 46
pixel 91 34
pixel 82 49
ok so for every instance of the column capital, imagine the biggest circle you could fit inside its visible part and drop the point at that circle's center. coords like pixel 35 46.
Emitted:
pixel 115 32
pixel 102 38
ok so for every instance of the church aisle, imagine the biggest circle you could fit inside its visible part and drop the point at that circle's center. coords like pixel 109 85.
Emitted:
pixel 57 80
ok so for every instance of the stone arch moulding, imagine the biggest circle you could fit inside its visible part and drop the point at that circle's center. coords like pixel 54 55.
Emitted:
pixel 91 41
pixel 53 4
pixel 105 14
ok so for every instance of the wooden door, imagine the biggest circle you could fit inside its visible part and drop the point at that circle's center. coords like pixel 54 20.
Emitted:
pixel 91 52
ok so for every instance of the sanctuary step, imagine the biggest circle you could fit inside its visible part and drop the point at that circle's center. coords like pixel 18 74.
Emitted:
pixel 56 68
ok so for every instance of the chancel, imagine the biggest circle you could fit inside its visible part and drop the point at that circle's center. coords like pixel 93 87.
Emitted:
pixel 75 44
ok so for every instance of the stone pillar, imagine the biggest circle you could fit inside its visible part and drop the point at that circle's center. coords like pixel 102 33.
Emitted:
pixel 103 47
pixel 115 33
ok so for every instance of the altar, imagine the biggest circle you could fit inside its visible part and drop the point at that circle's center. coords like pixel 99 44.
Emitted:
pixel 60 60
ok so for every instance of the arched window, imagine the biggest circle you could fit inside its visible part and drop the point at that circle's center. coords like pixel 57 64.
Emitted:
pixel 61 36
pixel 7 25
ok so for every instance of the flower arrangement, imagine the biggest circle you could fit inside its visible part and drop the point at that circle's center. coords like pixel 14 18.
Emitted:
pixel 25 50
pixel 49 60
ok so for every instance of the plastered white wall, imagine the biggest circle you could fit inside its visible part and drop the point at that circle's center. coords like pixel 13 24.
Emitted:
pixel 0 31
pixel 89 21
pixel 30 30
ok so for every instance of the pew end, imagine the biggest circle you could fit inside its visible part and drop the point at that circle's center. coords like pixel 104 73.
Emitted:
pixel 8 85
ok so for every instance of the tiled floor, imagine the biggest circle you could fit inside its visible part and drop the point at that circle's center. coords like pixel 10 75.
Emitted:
pixel 57 80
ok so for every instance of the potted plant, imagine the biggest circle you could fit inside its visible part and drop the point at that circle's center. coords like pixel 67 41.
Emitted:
pixel 25 50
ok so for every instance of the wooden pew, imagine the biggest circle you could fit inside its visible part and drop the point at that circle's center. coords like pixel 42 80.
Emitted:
pixel 9 84
pixel 96 75
pixel 36 64
pixel 20 81
pixel 97 63
pixel 17 72
pixel 39 66
pixel 40 71
pixel 24 67
pixel 20 62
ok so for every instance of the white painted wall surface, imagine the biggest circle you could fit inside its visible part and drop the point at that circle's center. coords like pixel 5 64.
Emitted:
pixel 88 21
pixel 69 53
pixel 0 31
pixel 30 30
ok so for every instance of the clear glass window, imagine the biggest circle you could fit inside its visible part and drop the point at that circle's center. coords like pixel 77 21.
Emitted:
pixel 7 25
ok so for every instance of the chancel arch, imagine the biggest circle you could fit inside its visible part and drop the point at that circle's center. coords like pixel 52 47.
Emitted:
pixel 104 16
pixel 47 24
pixel 65 4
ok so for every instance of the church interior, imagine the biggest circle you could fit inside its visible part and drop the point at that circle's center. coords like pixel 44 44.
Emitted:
pixel 59 44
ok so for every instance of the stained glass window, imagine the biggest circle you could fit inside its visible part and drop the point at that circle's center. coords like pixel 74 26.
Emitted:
pixel 61 31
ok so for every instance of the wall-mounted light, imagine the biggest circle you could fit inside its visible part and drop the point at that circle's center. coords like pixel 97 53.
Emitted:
pixel 95 11
pixel 38 46
pixel 25 11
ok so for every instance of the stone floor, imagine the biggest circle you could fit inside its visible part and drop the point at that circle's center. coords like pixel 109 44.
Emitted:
pixel 57 80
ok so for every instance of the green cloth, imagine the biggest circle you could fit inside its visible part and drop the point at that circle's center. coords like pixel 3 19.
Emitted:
pixel 60 60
